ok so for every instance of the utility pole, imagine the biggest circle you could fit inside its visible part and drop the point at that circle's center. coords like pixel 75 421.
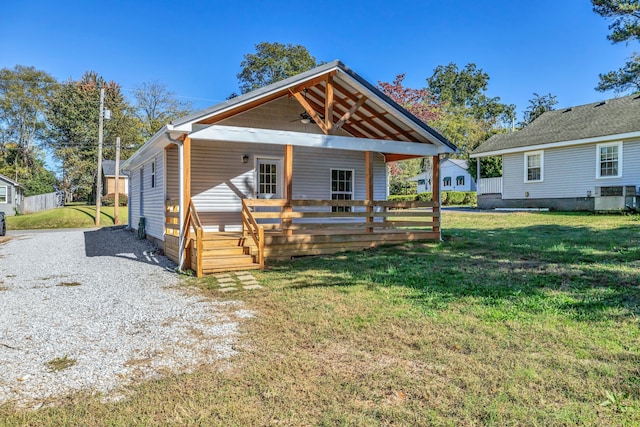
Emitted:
pixel 99 174
pixel 116 200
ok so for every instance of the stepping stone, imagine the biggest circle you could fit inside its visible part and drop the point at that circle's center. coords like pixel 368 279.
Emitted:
pixel 226 279
pixel 228 289
pixel 221 276
pixel 250 282
pixel 252 287
pixel 245 277
pixel 226 285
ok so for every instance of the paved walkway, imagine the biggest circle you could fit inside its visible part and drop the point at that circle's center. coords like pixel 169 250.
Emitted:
pixel 229 282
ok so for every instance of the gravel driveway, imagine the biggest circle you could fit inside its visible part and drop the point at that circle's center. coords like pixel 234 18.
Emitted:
pixel 96 310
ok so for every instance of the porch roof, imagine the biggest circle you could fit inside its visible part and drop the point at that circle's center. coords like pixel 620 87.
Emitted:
pixel 375 121
pixel 281 137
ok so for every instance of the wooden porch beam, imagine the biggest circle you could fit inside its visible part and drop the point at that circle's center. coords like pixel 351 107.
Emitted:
pixel 310 111
pixel 313 82
pixel 348 127
pixel 375 113
pixel 368 155
pixel 346 116
pixel 399 157
pixel 435 189
pixel 288 188
pixel 328 105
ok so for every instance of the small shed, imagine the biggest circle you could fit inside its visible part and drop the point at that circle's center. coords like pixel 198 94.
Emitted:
pixel 11 195
pixel 109 179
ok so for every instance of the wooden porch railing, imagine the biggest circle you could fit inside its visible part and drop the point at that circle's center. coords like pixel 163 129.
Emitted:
pixel 252 228
pixel 309 215
pixel 192 231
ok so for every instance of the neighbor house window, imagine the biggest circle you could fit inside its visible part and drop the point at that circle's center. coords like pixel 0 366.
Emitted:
pixel 534 166
pixel 3 195
pixel 341 188
pixel 609 160
pixel 153 173
pixel 460 180
pixel 446 181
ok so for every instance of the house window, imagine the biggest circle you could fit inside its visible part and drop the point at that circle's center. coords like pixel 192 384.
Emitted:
pixel 3 195
pixel 609 160
pixel 153 173
pixel 341 188
pixel 446 181
pixel 534 166
pixel 421 182
pixel 460 180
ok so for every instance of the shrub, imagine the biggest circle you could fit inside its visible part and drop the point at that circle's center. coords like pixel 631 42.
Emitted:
pixel 424 197
pixel 454 198
pixel 470 198
pixel 110 199
pixel 403 197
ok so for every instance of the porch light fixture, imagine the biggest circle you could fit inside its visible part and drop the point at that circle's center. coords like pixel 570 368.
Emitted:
pixel 245 158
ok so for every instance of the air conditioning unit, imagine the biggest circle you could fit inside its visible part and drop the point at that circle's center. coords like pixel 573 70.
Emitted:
pixel 616 198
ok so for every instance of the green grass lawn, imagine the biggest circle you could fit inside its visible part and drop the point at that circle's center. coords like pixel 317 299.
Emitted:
pixel 514 319
pixel 72 216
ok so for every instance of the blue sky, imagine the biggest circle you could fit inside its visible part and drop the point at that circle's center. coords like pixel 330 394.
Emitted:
pixel 195 47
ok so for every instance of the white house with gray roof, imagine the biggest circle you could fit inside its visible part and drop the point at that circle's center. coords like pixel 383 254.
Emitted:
pixel 577 158
pixel 454 176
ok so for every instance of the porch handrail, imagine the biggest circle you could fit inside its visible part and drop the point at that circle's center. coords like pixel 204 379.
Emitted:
pixel 382 214
pixel 192 223
pixel 255 230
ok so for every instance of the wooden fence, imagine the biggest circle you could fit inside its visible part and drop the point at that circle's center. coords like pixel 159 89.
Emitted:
pixel 41 202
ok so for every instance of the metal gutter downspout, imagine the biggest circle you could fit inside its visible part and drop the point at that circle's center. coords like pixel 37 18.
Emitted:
pixel 181 201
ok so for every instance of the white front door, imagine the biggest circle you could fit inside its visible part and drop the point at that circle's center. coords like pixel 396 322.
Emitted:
pixel 268 180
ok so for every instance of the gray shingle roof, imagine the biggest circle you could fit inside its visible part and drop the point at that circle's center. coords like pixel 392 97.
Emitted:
pixel 612 117
pixel 109 168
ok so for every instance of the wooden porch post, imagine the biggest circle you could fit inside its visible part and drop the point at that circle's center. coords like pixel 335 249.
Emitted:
pixel 288 188
pixel 186 174
pixel 435 191
pixel 368 155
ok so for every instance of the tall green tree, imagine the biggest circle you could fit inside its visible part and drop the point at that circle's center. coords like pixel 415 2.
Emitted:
pixel 271 63
pixel 156 106
pixel 73 117
pixel 625 27
pixel 538 105
pixel 469 115
pixel 24 92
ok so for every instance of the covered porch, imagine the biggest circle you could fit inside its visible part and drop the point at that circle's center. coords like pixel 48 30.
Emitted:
pixel 330 189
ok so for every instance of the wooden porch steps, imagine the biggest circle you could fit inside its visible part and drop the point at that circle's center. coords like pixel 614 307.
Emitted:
pixel 224 251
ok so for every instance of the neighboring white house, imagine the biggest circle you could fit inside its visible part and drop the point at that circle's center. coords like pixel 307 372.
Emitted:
pixel 454 176
pixel 578 158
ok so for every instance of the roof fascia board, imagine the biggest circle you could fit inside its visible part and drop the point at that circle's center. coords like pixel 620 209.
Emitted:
pixel 282 86
pixel 139 156
pixel 596 139
pixel 279 137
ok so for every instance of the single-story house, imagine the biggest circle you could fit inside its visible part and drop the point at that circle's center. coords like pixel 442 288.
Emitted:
pixel 11 195
pixel 577 158
pixel 294 168
pixel 454 176
pixel 109 179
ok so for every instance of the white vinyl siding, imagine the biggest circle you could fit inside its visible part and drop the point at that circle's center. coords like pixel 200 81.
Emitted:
pixel 609 160
pixel 153 198
pixel 534 166
pixel 568 172
pixel 220 179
